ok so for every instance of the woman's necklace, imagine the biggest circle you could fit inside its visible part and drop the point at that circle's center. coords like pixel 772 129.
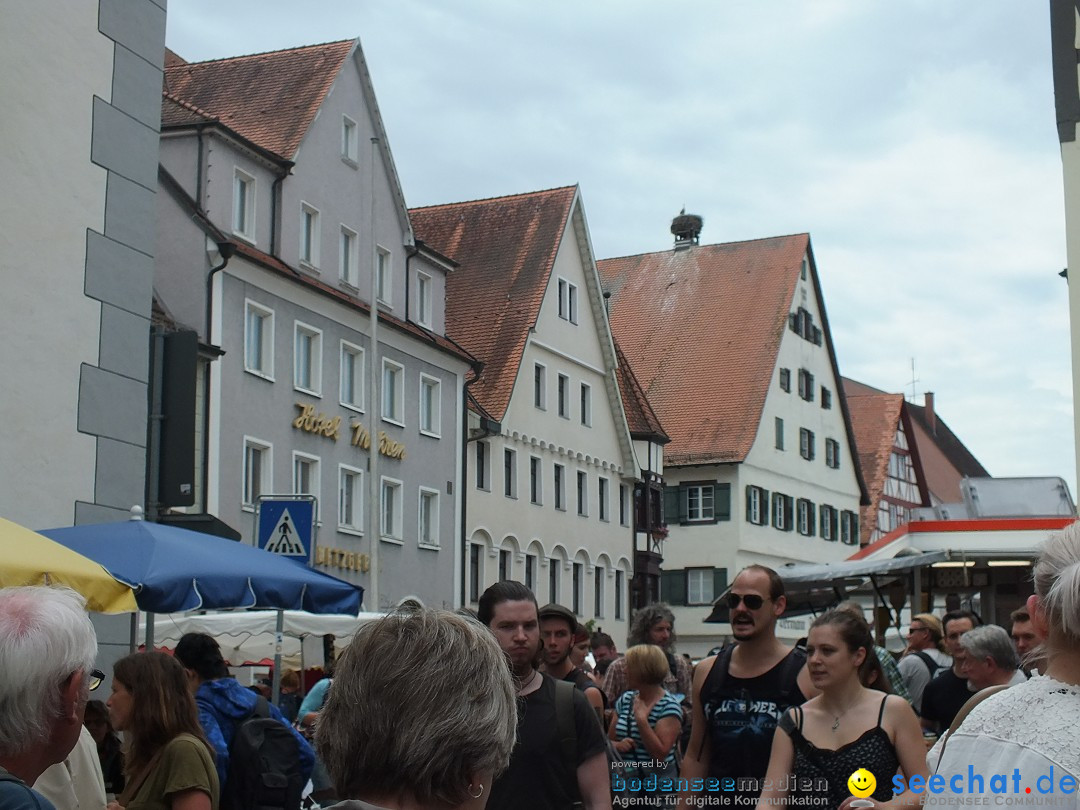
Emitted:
pixel 836 717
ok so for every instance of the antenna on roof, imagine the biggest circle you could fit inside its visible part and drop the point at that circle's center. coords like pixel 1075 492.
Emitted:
pixel 914 379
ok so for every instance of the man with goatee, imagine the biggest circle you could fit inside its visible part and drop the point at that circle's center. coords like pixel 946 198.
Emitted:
pixel 741 693
pixel 560 757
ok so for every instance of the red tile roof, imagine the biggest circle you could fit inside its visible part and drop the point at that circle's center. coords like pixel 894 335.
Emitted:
pixel 640 416
pixel 506 247
pixel 702 327
pixel 874 420
pixel 268 98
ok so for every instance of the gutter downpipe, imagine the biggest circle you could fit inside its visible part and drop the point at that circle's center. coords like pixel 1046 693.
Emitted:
pixel 226 249
pixel 410 251
pixel 371 597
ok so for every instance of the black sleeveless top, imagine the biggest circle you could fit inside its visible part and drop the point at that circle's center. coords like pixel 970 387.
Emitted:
pixel 741 716
pixel 873 750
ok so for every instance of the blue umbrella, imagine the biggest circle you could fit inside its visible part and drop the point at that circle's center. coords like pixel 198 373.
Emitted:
pixel 173 569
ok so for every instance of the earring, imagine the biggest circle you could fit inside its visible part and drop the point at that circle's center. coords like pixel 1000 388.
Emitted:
pixel 478 793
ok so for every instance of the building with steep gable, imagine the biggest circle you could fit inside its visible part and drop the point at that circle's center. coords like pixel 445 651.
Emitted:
pixel 889 458
pixel 731 344
pixel 281 218
pixel 557 446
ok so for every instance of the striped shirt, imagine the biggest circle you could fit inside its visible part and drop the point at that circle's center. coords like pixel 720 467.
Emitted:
pixel 626 726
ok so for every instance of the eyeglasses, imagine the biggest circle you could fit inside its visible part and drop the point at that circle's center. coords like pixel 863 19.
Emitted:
pixel 914 629
pixel 95 679
pixel 751 600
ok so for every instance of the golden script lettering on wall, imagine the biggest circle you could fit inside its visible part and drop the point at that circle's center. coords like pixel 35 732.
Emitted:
pixel 317 423
pixel 339 558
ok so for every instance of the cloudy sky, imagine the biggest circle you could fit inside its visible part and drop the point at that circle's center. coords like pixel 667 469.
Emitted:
pixel 914 141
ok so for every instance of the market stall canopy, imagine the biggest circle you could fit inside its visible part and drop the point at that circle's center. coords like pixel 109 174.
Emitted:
pixel 28 558
pixel 816 587
pixel 248 636
pixel 173 570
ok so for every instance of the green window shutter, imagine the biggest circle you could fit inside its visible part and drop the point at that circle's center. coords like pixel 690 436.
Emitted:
pixel 721 502
pixel 765 507
pixel 789 513
pixel 811 523
pixel 673 587
pixel 749 489
pixel 719 582
pixel 671 505
pixel 684 505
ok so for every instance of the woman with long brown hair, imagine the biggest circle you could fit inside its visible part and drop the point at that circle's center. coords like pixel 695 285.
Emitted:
pixel 169 764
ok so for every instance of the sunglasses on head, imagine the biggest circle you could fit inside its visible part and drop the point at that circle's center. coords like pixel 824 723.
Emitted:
pixel 751 600
pixel 94 679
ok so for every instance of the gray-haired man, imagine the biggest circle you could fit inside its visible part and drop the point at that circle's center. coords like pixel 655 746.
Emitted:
pixel 47 651
pixel 991 658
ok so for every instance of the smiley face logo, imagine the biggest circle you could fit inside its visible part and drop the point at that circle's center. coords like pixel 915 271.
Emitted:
pixel 861 783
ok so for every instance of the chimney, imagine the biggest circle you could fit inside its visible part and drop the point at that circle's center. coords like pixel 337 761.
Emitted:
pixel 931 417
pixel 687 229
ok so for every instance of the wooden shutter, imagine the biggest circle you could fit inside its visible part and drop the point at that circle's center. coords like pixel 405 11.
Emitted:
pixel 673 587
pixel 721 502
pixel 719 582
pixel 671 505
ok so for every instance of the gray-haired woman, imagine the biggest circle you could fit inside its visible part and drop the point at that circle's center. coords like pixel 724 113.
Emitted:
pixel 422 714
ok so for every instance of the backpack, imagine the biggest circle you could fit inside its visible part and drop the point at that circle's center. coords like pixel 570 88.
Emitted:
pixel 932 665
pixel 264 764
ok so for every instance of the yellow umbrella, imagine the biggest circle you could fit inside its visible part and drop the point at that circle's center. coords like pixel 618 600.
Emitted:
pixel 28 558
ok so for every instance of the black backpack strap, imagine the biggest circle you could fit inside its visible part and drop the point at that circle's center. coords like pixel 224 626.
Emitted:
pixel 789 676
pixel 567 730
pixel 715 681
pixel 931 664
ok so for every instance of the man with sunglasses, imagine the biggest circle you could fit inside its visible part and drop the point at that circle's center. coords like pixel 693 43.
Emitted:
pixel 47 651
pixel 741 693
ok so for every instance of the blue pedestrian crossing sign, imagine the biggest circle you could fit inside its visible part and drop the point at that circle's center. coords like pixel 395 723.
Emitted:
pixel 287 527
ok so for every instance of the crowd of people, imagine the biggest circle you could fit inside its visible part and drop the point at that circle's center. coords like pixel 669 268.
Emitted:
pixel 502 709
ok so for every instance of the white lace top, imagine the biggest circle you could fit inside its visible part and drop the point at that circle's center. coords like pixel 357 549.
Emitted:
pixel 1030 727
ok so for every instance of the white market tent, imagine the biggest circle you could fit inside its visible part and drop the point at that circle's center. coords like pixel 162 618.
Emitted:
pixel 248 636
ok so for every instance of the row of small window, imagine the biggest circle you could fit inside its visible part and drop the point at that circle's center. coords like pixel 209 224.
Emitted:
pixel 710 502
pixel 554 581
pixel 258 480
pixel 791 514
pixel 307 370
pixel 563 394
pixel 807 442
pixel 806 387
pixel 348 254
pixel 692 586
pixel 559 475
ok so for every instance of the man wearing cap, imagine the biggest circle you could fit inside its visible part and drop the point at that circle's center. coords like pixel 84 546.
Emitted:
pixel 924 656
pixel 558 626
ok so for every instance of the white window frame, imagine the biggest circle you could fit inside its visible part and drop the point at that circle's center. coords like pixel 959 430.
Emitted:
pixel 314 361
pixel 243 216
pixel 562 390
pixel 305 458
pixel 482 464
pixel 266 472
pixel 825 513
pixel 781 518
pixel 568 301
pixel 384 276
pixel 349 257
pixel 356 526
pixel 398 392
pixel 803 523
pixel 434 417
pixel 510 482
pixel 586 404
pixel 832 454
pixel 705 513
pixel 603 496
pixel 540 386
pixel 359 381
pixel 806 443
pixel 582 481
pixel 266 347
pixel 558 477
pixel 430 495
pixel 701 591
pixel 310 238
pixel 350 140
pixel 755 515
pixel 536 480
pixel 424 285
pixel 395 486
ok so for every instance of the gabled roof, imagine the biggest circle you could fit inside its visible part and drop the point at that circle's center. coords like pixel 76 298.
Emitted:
pixel 640 416
pixel 506 247
pixel 269 99
pixel 711 316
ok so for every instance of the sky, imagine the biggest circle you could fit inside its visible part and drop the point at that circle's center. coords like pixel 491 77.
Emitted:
pixel 915 142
